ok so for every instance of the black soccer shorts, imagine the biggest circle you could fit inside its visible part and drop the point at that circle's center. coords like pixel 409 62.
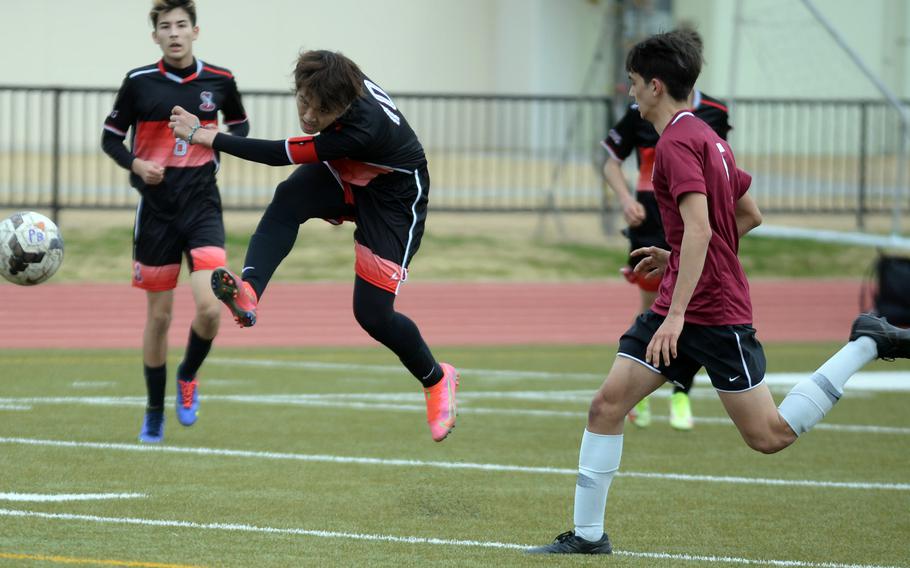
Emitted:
pixel 731 354
pixel 158 244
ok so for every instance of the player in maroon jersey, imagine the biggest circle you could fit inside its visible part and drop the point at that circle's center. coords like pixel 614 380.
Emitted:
pixel 179 211
pixel 633 133
pixel 361 162
pixel 703 314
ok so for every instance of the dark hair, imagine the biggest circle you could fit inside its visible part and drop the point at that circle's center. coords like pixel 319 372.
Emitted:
pixel 163 6
pixel 673 57
pixel 330 77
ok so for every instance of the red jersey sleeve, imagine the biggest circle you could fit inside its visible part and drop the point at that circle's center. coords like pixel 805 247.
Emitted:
pixel 682 169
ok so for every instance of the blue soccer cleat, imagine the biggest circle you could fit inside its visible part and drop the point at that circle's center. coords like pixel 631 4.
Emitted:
pixel 152 427
pixel 187 401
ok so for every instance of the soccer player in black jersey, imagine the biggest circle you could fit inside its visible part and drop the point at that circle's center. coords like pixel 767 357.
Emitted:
pixel 633 133
pixel 179 211
pixel 361 162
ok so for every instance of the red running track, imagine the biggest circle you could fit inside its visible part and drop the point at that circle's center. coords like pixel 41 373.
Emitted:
pixel 319 314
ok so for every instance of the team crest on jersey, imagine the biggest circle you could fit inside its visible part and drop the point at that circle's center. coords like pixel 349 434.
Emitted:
pixel 207 105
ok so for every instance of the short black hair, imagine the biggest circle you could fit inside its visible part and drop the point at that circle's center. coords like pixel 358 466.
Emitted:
pixel 163 6
pixel 673 57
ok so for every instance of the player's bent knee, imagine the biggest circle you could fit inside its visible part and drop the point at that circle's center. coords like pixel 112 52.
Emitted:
pixel 159 322
pixel 766 443
pixel 605 411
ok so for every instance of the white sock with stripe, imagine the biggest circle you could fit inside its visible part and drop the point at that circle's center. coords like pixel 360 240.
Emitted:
pixel 598 461
pixel 813 397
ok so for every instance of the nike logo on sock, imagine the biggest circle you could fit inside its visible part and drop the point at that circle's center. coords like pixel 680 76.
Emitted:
pixel 245 268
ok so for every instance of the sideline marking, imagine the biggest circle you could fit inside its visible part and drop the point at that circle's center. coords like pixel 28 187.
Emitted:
pixel 324 458
pixel 52 498
pixel 241 527
pixel 328 400
pixel 888 381
pixel 95 561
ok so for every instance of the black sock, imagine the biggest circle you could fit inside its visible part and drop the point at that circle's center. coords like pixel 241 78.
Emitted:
pixel 197 349
pixel 430 379
pixel 155 381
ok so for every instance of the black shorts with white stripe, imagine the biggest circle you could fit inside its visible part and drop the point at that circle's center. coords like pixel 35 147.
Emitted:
pixel 731 354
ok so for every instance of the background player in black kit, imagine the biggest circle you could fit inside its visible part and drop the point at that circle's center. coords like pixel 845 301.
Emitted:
pixel 362 163
pixel 633 133
pixel 179 211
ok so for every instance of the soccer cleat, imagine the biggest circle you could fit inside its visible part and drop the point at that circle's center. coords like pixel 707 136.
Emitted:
pixel 891 341
pixel 441 403
pixel 680 411
pixel 187 401
pixel 640 415
pixel 152 427
pixel 568 543
pixel 239 298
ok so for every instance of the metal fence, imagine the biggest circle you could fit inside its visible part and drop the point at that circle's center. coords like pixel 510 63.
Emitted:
pixel 487 153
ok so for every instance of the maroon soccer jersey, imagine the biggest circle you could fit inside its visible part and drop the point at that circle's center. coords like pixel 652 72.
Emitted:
pixel 693 158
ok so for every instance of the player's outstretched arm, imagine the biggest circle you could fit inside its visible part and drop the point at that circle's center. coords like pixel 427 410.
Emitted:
pixel 186 126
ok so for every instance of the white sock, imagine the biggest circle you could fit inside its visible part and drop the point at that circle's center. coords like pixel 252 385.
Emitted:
pixel 598 461
pixel 812 398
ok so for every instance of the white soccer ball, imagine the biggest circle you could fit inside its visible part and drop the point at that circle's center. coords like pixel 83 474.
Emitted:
pixel 31 248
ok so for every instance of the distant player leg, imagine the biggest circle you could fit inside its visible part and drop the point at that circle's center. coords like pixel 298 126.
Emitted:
pixel 154 357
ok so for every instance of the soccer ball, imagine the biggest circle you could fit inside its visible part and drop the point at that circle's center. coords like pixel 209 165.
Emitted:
pixel 31 248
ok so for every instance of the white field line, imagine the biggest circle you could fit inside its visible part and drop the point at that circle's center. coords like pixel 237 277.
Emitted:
pixel 54 498
pixel 411 402
pixel 242 527
pixel 889 381
pixel 325 458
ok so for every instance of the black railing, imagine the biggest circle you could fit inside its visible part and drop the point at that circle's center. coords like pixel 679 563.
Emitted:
pixel 487 152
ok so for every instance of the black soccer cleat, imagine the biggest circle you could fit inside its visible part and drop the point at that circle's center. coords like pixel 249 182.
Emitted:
pixel 568 543
pixel 891 341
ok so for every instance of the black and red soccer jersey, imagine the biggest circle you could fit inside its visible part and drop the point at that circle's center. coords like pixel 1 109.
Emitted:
pixel 633 133
pixel 143 106
pixel 370 145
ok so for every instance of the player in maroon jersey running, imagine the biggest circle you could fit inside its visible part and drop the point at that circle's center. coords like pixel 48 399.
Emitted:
pixel 361 162
pixel 179 211
pixel 633 133
pixel 702 316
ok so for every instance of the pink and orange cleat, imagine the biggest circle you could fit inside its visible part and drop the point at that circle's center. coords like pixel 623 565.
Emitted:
pixel 441 403
pixel 237 295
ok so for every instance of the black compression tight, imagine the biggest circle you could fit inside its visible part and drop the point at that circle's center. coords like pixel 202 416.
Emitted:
pixel 375 312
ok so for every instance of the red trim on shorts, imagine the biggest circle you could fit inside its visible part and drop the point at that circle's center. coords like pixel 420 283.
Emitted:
pixel 207 258
pixel 155 278
pixel 378 271
pixel 357 173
